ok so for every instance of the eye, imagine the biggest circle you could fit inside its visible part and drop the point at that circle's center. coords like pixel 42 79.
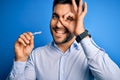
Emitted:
pixel 70 18
pixel 55 16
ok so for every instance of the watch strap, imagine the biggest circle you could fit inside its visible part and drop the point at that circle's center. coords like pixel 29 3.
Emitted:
pixel 82 35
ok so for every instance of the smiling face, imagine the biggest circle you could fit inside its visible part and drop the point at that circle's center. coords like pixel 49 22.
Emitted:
pixel 59 32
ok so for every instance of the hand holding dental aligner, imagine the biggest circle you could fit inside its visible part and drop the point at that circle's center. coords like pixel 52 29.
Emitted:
pixel 24 46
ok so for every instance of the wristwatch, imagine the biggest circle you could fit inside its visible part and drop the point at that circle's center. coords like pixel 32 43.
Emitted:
pixel 82 35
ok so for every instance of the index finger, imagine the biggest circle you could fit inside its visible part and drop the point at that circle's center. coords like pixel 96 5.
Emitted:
pixel 80 6
pixel 30 33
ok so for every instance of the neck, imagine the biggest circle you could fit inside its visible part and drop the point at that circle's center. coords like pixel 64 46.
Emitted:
pixel 65 46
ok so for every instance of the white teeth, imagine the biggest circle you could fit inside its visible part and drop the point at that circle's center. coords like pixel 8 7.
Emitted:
pixel 60 31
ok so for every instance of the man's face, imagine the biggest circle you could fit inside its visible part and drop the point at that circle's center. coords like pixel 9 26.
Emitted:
pixel 59 32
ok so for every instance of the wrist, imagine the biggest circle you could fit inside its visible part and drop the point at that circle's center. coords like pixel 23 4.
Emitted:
pixel 21 59
pixel 84 34
pixel 80 31
pixel 79 28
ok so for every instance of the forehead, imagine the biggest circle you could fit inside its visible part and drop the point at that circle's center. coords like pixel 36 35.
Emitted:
pixel 62 9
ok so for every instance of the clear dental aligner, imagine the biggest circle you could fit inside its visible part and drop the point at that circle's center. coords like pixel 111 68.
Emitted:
pixel 35 33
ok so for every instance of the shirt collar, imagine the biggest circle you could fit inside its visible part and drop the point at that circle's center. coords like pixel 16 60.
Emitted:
pixel 75 45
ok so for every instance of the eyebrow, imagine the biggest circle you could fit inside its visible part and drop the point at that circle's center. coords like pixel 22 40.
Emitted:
pixel 54 13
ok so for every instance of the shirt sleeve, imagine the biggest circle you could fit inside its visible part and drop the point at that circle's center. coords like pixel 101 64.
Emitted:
pixel 22 71
pixel 100 64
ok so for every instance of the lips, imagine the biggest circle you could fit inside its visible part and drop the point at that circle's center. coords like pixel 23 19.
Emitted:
pixel 60 31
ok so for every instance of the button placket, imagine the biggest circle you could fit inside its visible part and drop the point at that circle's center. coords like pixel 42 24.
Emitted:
pixel 62 64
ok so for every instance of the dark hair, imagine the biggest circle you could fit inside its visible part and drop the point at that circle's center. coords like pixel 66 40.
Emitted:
pixel 64 2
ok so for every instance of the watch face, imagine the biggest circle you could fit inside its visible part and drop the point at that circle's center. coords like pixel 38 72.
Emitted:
pixel 78 39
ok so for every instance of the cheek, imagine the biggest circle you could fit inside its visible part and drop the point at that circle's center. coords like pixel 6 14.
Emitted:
pixel 53 23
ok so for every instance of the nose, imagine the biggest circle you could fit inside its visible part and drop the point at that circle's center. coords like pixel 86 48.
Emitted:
pixel 59 23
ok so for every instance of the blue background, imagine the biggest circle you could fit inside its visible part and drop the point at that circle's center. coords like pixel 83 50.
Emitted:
pixel 18 16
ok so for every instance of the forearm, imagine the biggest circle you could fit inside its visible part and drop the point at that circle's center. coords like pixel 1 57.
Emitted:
pixel 17 72
pixel 22 71
pixel 99 62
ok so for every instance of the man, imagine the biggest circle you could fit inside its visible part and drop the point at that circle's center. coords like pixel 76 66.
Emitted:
pixel 71 56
